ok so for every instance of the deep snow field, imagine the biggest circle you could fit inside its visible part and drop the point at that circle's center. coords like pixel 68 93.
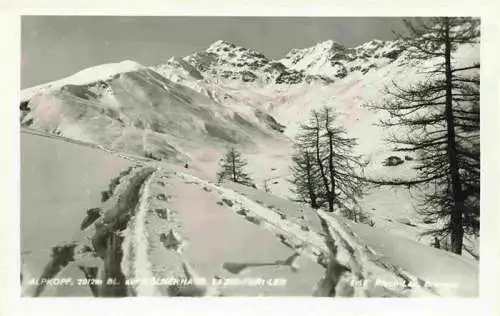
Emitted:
pixel 228 240
pixel 59 180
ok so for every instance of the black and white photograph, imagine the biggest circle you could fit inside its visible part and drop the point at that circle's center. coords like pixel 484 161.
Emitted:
pixel 250 156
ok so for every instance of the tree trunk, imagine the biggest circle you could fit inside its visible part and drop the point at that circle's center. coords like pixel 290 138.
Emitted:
pixel 457 230
pixel 331 197
pixel 318 159
pixel 233 167
pixel 310 184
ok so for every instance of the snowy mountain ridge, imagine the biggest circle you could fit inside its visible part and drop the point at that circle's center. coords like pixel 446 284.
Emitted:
pixel 213 83
pixel 224 60
pixel 238 85
pixel 334 60
pixel 85 76
pixel 111 94
pixel 141 112
pixel 324 62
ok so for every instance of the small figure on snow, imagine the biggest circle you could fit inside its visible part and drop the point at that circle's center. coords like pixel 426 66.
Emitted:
pixel 436 243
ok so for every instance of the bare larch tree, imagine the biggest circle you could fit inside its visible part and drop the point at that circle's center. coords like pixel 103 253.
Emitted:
pixel 326 155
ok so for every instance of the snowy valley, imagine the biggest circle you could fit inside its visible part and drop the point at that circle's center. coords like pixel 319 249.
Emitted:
pixel 128 191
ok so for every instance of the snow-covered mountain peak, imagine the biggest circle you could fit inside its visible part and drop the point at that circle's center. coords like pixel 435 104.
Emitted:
pixel 222 47
pixel 325 61
pixel 334 60
pixel 92 74
pixel 103 72
pixel 226 62
pixel 323 48
pixel 374 43
pixel 220 44
pixel 235 55
pixel 380 49
pixel 178 66
pixel 327 46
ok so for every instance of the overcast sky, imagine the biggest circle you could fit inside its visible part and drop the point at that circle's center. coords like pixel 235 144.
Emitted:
pixel 54 47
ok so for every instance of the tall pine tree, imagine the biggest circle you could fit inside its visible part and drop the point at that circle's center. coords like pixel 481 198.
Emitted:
pixel 439 119
pixel 232 168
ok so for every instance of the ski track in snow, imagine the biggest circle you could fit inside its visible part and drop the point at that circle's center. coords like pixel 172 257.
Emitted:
pixel 366 266
pixel 138 241
pixel 361 257
pixel 221 237
pixel 372 275
pixel 271 218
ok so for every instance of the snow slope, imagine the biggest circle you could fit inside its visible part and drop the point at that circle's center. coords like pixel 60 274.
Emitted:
pixel 459 276
pixel 89 75
pixel 144 113
pixel 168 233
pixel 59 181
